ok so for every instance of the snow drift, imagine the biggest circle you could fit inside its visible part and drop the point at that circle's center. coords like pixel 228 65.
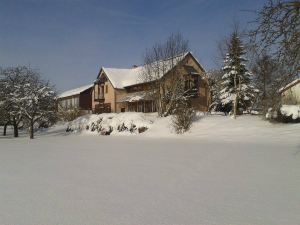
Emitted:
pixel 214 127
pixel 112 123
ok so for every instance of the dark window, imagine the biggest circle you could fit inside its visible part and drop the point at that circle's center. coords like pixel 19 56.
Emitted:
pixel 122 109
pixel 106 88
pixel 196 82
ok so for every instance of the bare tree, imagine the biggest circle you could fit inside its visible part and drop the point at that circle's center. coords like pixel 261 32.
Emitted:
pixel 158 60
pixel 38 102
pixel 4 113
pixel 12 79
pixel 25 97
pixel 266 74
pixel 278 31
pixel 4 116
pixel 215 80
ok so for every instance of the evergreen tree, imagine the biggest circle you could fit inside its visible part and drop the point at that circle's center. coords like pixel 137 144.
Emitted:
pixel 237 94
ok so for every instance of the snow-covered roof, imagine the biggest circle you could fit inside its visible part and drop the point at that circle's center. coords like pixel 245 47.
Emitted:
pixel 121 78
pixel 75 91
pixel 289 85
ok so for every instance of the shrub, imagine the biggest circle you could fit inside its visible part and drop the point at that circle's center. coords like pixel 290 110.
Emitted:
pixel 68 115
pixel 281 116
pixel 183 118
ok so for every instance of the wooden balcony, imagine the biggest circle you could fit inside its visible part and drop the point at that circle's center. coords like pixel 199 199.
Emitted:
pixel 192 92
pixel 99 98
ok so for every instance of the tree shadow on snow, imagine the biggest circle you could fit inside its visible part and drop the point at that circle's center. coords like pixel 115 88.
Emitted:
pixel 23 133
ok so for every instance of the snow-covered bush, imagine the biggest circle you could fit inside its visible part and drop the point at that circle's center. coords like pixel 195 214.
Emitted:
pixel 286 114
pixel 291 112
pixel 110 123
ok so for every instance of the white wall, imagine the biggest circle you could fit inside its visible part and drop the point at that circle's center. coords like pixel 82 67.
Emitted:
pixel 292 95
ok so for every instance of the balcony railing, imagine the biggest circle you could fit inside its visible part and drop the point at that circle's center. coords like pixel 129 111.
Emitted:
pixel 192 92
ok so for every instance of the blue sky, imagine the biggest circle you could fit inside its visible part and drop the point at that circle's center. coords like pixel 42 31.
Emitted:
pixel 69 40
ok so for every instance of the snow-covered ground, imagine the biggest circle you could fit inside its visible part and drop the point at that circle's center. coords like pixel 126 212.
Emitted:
pixel 224 171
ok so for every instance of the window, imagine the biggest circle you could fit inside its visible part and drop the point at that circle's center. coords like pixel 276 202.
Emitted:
pixel 76 104
pixel 122 109
pixel 196 81
pixel 106 88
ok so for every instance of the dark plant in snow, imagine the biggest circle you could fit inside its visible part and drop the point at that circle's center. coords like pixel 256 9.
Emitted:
pixel 183 117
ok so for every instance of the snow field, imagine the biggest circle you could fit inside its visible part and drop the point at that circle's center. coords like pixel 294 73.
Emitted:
pixel 224 171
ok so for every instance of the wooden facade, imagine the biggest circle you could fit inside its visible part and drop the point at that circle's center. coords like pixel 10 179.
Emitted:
pixel 80 100
pixel 85 99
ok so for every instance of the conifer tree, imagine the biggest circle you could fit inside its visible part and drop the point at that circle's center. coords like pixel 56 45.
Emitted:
pixel 237 94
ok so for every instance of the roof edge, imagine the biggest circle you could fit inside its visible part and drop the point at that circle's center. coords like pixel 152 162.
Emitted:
pixel 289 85
pixel 76 91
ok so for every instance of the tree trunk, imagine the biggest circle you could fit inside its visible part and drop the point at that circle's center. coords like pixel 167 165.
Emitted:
pixel 31 132
pixel 16 129
pixel 4 129
pixel 159 101
pixel 235 98
pixel 235 106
